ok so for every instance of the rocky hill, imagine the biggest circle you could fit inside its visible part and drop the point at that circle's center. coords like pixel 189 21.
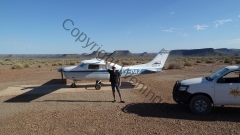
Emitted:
pixel 235 52
pixel 196 52
pixel 121 53
pixel 127 53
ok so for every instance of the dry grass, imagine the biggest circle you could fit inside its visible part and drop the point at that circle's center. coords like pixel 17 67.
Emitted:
pixel 189 64
pixel 175 63
pixel 175 66
pixel 17 66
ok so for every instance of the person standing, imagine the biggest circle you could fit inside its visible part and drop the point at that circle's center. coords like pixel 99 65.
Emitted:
pixel 115 79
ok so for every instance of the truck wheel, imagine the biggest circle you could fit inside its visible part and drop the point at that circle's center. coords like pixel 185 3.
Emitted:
pixel 200 105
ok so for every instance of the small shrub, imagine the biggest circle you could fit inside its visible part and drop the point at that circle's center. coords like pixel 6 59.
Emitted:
pixel 54 64
pixel 189 64
pixel 39 66
pixel 226 61
pixel 210 61
pixel 7 59
pixel 60 63
pixel 198 61
pixel 17 66
pixel 26 66
pixel 237 61
pixel 72 63
pixel 174 66
pixel 126 63
pixel 67 63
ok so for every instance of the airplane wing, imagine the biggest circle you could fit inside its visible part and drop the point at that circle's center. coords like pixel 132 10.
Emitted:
pixel 149 71
pixel 98 63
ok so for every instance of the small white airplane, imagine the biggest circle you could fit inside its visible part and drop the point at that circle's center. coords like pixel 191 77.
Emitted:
pixel 94 69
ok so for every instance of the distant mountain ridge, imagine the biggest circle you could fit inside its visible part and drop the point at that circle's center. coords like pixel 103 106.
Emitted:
pixel 127 53
pixel 196 52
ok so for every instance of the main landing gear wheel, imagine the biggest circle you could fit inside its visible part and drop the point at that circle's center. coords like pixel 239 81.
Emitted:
pixel 98 85
pixel 73 85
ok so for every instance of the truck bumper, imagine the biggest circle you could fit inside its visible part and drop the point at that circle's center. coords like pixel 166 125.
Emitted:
pixel 180 96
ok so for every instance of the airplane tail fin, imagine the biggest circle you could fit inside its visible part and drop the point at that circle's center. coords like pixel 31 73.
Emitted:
pixel 159 59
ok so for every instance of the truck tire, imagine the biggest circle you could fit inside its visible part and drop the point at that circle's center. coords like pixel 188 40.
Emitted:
pixel 200 105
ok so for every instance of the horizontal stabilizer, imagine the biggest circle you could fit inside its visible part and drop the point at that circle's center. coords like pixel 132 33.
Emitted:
pixel 153 70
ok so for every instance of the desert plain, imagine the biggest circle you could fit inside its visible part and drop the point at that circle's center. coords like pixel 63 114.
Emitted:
pixel 60 109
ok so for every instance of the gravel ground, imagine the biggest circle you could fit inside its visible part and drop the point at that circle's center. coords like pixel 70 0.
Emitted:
pixel 92 112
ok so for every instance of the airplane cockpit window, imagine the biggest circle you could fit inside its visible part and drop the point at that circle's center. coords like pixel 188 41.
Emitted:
pixel 93 66
pixel 83 65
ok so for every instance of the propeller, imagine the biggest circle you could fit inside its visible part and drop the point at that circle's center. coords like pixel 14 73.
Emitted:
pixel 62 74
pixel 61 70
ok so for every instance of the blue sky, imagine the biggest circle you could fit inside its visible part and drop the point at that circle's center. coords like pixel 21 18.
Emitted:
pixel 36 27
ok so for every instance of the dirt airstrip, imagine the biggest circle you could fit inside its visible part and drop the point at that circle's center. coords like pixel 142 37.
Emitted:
pixel 83 110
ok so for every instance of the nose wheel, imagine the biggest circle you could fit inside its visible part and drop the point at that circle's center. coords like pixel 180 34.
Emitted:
pixel 98 85
pixel 73 85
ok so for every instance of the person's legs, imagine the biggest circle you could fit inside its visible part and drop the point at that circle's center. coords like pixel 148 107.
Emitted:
pixel 118 90
pixel 114 96
pixel 113 92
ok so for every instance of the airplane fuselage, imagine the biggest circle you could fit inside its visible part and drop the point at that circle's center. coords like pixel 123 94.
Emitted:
pixel 77 74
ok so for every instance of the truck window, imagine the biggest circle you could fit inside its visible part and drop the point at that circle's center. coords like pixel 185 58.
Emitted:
pixel 231 77
pixel 218 73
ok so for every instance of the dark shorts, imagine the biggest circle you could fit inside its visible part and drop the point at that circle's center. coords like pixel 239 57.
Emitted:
pixel 115 86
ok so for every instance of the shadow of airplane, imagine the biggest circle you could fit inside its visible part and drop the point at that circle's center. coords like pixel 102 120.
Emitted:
pixel 178 111
pixel 40 91
pixel 51 86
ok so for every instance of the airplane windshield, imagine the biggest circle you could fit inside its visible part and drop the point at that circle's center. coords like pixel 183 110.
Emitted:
pixel 83 65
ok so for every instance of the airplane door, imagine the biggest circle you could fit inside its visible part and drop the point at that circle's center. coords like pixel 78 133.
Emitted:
pixel 227 89
pixel 103 73
pixel 93 72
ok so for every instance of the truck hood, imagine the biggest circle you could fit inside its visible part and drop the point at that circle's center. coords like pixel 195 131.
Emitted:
pixel 194 81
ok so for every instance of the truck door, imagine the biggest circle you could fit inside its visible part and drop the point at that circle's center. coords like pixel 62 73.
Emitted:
pixel 227 88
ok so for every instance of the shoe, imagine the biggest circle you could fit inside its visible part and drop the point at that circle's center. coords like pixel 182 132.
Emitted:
pixel 122 101
pixel 114 101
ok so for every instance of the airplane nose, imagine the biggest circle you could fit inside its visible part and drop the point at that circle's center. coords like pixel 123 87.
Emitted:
pixel 60 69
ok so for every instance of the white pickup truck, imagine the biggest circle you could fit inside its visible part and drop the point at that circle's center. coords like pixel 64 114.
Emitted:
pixel 220 88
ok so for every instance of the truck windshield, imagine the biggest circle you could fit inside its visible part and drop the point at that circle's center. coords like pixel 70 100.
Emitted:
pixel 217 74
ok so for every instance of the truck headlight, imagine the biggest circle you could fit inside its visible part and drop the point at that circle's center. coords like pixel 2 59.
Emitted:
pixel 183 88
